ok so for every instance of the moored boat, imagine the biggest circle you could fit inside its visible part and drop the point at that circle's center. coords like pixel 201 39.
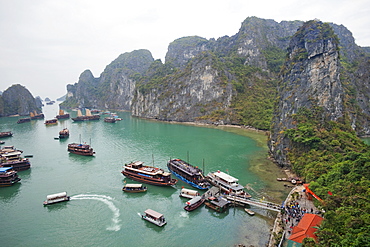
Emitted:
pixel 51 121
pixel 154 217
pixel 64 133
pixel 55 198
pixel 188 173
pixel 12 158
pixel 23 120
pixel 194 203
pixel 8 176
pixel 34 115
pixel 188 193
pixel 227 183
pixel 86 117
pixel 134 188
pixel 81 149
pixel 250 212
pixel 148 174
pixel 6 134
pixel 110 119
pixel 62 115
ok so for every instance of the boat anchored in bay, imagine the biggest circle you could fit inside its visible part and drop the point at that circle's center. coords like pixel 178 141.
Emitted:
pixel 148 174
pixel 188 173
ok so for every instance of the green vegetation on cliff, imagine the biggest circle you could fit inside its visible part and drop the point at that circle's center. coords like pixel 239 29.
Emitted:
pixel 332 158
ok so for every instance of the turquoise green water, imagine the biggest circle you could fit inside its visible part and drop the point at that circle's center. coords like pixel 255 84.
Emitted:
pixel 99 213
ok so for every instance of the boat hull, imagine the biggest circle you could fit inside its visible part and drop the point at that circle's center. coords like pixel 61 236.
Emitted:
pixel 187 181
pixel 56 201
pixel 190 208
pixel 155 222
pixel 148 180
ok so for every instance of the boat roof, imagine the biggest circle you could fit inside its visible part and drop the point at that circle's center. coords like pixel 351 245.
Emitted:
pixel 11 154
pixel 225 177
pixel 194 200
pixel 5 169
pixel 189 191
pixel 133 185
pixel 153 213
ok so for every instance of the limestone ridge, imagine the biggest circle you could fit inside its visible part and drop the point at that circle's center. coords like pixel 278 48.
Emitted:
pixel 115 86
pixel 309 79
pixel 17 100
pixel 233 80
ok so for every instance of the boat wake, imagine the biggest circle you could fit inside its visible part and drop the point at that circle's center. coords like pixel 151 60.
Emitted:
pixel 109 202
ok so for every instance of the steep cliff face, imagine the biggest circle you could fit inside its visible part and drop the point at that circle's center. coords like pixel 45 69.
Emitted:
pixel 310 79
pixel 115 86
pixel 17 100
pixel 197 90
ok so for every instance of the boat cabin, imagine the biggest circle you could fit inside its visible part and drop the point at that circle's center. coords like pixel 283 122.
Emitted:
pixel 55 198
pixel 188 193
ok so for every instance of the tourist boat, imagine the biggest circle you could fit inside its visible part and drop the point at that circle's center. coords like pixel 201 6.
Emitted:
pixel 23 120
pixel 62 115
pixel 8 176
pixel 188 193
pixel 2 142
pixel 12 158
pixel 55 198
pixel 227 183
pixel 188 173
pixel 34 115
pixel 154 217
pixel 134 188
pixel 194 203
pixel 250 212
pixel 51 121
pixel 81 149
pixel 148 174
pixel 6 134
pixel 219 204
pixel 64 133
pixel 110 119
pixel 87 117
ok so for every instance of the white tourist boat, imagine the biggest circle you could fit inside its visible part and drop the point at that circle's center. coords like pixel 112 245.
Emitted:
pixel 188 193
pixel 55 198
pixel 154 217
pixel 226 182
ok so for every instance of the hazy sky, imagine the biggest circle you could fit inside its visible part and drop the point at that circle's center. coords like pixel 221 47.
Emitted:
pixel 47 44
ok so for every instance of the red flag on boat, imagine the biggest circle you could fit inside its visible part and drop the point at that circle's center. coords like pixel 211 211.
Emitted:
pixel 330 193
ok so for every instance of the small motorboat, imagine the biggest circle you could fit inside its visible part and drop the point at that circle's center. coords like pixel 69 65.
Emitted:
pixel 154 217
pixel 134 188
pixel 250 212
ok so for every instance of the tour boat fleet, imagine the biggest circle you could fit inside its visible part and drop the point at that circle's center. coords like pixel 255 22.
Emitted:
pixel 188 173
pixel 148 174
pixel 55 198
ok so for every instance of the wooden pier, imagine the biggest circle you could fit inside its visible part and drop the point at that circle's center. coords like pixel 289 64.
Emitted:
pixel 242 201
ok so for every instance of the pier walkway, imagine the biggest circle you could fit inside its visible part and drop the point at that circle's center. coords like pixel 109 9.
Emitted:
pixel 243 201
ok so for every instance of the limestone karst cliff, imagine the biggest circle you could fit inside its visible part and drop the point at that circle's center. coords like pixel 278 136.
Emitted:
pixel 17 100
pixel 236 80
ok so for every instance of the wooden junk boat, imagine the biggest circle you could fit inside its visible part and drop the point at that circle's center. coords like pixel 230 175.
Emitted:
pixel 154 217
pixel 134 188
pixel 188 173
pixel 55 198
pixel 148 174
pixel 8 176
pixel 34 115
pixel 86 117
pixel 51 121
pixel 62 115
pixel 194 203
pixel 23 120
pixel 6 134
pixel 81 149
pixel 64 133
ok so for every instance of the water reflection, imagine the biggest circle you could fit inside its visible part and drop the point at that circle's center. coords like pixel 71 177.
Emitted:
pixel 7 194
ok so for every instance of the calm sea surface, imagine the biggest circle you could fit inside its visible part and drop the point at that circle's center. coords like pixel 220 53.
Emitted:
pixel 100 214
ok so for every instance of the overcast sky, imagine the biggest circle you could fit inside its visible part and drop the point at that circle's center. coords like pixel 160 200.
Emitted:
pixel 47 44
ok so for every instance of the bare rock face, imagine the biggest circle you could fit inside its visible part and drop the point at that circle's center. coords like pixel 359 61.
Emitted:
pixel 310 79
pixel 18 100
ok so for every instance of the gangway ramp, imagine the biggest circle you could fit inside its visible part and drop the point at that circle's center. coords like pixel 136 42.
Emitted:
pixel 249 201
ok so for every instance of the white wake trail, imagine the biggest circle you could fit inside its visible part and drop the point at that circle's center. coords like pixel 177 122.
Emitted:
pixel 108 201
